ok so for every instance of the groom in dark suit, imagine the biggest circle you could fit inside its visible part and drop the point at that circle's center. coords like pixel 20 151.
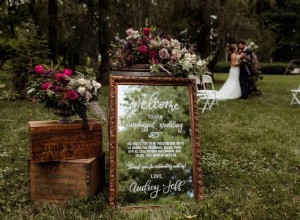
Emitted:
pixel 245 66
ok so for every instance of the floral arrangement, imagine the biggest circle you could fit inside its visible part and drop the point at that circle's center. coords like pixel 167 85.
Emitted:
pixel 252 46
pixel 253 67
pixel 255 70
pixel 161 52
pixel 64 90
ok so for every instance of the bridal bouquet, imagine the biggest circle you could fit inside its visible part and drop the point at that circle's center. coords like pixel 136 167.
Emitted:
pixel 65 91
pixel 161 52
pixel 243 58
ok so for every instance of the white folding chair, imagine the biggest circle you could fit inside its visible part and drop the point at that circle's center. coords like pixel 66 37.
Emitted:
pixel 295 99
pixel 202 98
pixel 295 71
pixel 209 90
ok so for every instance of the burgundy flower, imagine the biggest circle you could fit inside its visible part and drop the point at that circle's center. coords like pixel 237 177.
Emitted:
pixel 72 95
pixel 143 41
pixel 143 49
pixel 47 85
pixel 147 31
pixel 152 53
pixel 60 77
pixel 68 72
pixel 39 69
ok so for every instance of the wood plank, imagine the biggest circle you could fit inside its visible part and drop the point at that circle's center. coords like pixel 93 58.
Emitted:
pixel 59 181
pixel 51 141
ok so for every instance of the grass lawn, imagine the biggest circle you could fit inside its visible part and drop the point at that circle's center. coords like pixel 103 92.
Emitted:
pixel 250 155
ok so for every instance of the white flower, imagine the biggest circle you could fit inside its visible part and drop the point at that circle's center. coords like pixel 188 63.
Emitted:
pixel 153 43
pixel 187 56
pixel 88 85
pixel 186 65
pixel 175 43
pixel 96 85
pixel 81 90
pixel 193 58
pixel 175 51
pixel 81 81
pixel 72 82
pixel 201 63
pixel 165 43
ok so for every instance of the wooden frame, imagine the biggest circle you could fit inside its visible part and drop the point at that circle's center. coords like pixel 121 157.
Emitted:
pixel 115 82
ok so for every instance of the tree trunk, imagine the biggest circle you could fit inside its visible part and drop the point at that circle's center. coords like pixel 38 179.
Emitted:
pixel 11 7
pixel 53 30
pixel 32 5
pixel 103 35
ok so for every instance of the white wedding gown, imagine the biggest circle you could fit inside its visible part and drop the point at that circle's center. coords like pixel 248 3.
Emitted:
pixel 231 88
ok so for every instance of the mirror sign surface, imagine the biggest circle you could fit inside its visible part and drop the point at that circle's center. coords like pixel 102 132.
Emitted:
pixel 154 141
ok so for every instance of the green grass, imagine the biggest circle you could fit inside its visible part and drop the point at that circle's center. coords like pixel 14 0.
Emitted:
pixel 250 155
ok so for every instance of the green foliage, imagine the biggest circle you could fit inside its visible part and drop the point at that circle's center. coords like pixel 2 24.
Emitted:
pixel 26 47
pixel 266 68
pixel 9 95
pixel 250 159
pixel 222 67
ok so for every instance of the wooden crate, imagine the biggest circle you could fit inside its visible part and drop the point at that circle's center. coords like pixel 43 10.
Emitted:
pixel 60 181
pixel 51 141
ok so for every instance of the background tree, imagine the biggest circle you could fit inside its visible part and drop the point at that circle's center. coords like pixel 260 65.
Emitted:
pixel 53 30
pixel 284 20
pixel 79 32
pixel 104 40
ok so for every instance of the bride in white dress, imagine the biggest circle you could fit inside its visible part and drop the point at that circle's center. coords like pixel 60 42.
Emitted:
pixel 232 88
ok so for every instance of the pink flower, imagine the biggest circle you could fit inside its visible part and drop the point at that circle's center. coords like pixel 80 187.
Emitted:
pixel 147 31
pixel 72 95
pixel 68 72
pixel 131 33
pixel 60 77
pixel 164 54
pixel 39 69
pixel 47 85
pixel 143 49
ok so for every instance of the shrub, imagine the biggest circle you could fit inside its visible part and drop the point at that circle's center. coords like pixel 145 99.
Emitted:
pixel 273 68
pixel 266 68
pixel 222 67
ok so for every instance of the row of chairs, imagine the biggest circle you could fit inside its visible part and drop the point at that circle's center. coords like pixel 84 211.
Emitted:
pixel 206 93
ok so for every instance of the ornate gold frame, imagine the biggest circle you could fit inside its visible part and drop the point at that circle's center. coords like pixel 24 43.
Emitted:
pixel 113 139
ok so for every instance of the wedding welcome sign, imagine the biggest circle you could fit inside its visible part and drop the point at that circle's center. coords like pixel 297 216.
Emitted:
pixel 154 141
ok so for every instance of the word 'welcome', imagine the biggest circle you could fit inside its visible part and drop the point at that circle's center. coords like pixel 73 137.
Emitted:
pixel 153 103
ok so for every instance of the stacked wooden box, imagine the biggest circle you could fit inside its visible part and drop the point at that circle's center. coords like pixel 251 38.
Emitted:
pixel 65 160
